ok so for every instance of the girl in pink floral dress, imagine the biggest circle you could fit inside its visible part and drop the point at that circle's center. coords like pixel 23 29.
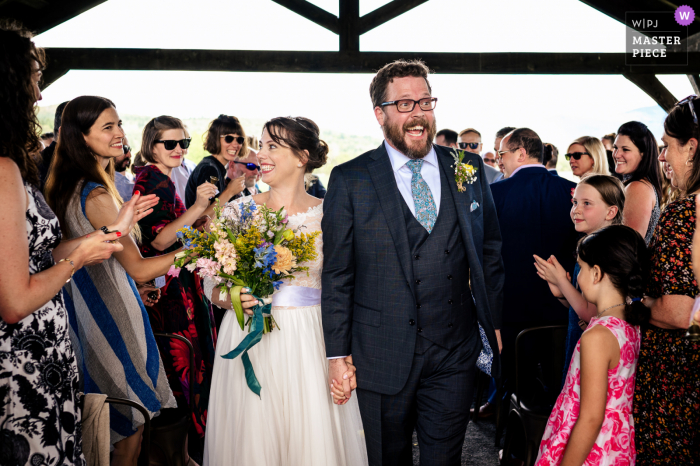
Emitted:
pixel 592 422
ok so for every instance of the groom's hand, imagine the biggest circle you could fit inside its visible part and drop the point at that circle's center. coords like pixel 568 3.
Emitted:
pixel 336 376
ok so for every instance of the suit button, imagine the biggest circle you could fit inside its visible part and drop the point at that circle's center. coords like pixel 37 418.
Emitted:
pixel 417 306
pixel 449 301
pixel 449 325
pixel 417 282
pixel 416 257
pixel 411 322
pixel 420 330
pixel 449 277
pixel 447 251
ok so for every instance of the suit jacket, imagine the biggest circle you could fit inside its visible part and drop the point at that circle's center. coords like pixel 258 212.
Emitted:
pixel 368 295
pixel 534 215
pixel 491 173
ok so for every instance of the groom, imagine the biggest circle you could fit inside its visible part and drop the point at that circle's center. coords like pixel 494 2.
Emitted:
pixel 411 264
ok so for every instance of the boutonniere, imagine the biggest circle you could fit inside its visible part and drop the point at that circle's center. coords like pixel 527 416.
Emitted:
pixel 464 172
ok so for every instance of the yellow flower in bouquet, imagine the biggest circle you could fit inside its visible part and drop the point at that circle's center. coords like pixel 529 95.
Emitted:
pixel 285 260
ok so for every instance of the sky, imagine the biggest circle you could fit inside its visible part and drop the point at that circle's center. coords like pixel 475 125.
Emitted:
pixel 559 108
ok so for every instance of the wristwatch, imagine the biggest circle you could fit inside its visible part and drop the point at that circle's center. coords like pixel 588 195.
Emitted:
pixel 107 231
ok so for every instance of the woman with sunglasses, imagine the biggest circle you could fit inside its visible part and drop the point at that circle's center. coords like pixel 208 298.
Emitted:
pixel 110 330
pixel 636 155
pixel 667 390
pixel 586 155
pixel 225 141
pixel 180 309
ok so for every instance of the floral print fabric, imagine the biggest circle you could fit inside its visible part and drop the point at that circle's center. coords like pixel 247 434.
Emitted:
pixel 426 211
pixel 39 388
pixel 181 309
pixel 614 445
pixel 671 271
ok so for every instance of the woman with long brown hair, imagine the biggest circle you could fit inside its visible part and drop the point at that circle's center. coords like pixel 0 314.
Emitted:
pixel 109 323
pixel 40 419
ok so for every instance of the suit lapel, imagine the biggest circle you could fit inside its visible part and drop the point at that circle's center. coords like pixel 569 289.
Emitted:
pixel 461 200
pixel 382 174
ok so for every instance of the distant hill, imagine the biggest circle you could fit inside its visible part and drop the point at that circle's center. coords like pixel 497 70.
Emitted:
pixel 343 147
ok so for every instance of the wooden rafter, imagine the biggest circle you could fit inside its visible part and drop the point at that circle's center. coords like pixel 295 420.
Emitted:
pixel 654 88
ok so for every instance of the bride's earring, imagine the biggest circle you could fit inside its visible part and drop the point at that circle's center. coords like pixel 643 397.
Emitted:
pixel 299 165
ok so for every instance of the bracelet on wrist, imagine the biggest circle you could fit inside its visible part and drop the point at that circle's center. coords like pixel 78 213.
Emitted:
pixel 70 261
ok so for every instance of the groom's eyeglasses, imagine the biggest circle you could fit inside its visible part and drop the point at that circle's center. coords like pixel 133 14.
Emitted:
pixel 229 139
pixel 407 105
pixel 249 166
pixel 170 144
pixel 470 145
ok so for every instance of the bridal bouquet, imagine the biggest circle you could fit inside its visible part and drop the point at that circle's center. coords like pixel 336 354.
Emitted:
pixel 248 246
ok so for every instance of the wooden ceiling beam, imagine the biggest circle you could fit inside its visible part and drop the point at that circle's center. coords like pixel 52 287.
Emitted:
pixel 654 89
pixel 313 13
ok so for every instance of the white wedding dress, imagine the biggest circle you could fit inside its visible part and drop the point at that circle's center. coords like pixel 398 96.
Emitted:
pixel 294 422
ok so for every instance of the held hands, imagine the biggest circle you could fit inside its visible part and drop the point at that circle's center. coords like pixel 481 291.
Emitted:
pixel 96 247
pixel 205 191
pixel 132 211
pixel 341 375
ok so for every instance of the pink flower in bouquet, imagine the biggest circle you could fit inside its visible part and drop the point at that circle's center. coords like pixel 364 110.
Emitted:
pixel 207 267
pixel 226 255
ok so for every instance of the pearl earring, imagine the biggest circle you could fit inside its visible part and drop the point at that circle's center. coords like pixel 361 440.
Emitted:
pixel 299 165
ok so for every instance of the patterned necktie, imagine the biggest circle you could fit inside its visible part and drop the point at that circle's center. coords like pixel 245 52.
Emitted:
pixel 426 212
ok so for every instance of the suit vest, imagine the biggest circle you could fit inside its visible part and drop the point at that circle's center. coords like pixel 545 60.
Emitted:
pixel 445 308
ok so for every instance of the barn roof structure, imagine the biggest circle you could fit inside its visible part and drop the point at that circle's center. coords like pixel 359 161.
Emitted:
pixel 42 15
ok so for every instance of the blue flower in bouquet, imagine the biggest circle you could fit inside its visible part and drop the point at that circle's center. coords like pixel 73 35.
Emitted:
pixel 277 284
pixel 247 211
pixel 265 256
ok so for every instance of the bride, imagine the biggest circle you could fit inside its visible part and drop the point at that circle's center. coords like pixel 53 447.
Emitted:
pixel 294 421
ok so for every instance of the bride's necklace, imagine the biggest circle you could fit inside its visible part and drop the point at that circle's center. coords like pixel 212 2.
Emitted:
pixel 608 308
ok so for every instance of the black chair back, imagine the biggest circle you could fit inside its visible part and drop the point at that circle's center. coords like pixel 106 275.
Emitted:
pixel 539 359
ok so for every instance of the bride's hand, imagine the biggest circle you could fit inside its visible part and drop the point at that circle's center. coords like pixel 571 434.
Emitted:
pixel 248 301
pixel 337 392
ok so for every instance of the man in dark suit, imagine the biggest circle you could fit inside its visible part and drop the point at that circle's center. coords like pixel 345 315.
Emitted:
pixel 411 264
pixel 534 215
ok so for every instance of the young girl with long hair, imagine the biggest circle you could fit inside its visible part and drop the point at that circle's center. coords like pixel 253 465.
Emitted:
pixel 110 330
pixel 592 421
pixel 598 202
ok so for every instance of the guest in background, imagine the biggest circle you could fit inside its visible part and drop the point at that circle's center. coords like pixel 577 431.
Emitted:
pixel 123 180
pixel 181 175
pixel 314 186
pixel 181 309
pixel 490 159
pixel 533 213
pixel 446 138
pixel 247 167
pixel 47 139
pixel 586 155
pixel 608 141
pixel 667 393
pixel 109 325
pixel 39 386
pixel 470 141
pixel 598 202
pixel 550 156
pixel 637 160
pixel 497 146
pixel 669 193
pixel 225 140
pixel 47 153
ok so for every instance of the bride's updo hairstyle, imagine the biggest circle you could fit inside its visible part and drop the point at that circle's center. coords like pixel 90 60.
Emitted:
pixel 299 134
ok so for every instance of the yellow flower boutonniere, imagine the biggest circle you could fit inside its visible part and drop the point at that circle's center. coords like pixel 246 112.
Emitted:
pixel 464 172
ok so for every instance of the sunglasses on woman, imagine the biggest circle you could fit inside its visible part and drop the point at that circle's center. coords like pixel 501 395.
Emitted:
pixel 229 139
pixel 575 155
pixel 689 100
pixel 170 144
pixel 471 145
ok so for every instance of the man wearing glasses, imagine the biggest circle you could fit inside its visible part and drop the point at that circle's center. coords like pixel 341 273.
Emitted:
pixel 470 141
pixel 411 267
pixel 249 167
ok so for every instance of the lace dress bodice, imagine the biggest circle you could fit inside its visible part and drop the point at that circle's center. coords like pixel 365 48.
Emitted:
pixel 309 221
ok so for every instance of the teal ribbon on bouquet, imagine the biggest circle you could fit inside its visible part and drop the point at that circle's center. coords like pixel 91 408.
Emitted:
pixel 255 333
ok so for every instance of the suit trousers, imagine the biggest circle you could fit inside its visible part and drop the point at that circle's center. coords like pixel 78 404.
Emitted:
pixel 435 402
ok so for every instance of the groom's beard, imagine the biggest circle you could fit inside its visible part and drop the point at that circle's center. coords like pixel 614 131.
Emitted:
pixel 396 136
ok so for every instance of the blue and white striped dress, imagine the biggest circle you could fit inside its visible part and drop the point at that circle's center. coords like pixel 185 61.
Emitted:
pixel 112 338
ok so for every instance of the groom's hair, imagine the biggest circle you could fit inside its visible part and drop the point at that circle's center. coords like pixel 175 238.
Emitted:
pixel 396 69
